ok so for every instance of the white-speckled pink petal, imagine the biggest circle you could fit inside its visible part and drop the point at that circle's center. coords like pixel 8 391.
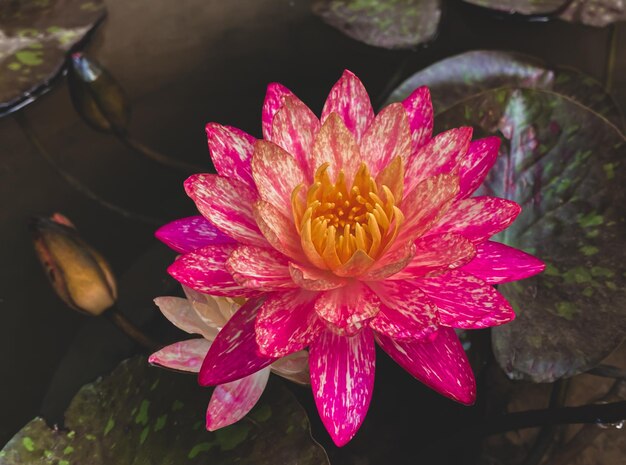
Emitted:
pixel 347 309
pixel 475 165
pixel 279 230
pixel 232 401
pixel 181 313
pixel 336 145
pixel 497 263
pixel 260 268
pixel 420 111
pixel 294 367
pixel 314 279
pixel 342 380
pixel 438 361
pixel 187 234
pixel 465 301
pixel 231 152
pixel 183 356
pixel 274 98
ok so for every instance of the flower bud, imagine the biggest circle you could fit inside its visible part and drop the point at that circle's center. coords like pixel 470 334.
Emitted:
pixel 78 273
pixel 97 96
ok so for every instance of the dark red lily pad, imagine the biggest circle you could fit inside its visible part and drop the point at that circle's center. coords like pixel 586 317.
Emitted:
pixel 35 36
pixel 141 414
pixel 564 163
pixel 389 24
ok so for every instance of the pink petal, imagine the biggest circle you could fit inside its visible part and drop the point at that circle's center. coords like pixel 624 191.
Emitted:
pixel 498 263
pixel 426 204
pixel 182 314
pixel 274 98
pixel 348 98
pixel 210 308
pixel 234 353
pixel 475 165
pixel 231 152
pixel 227 204
pixel 260 268
pixel 336 145
pixel 388 137
pixel 347 308
pixel 420 111
pixel 440 155
pixel 294 367
pixel 390 264
pixel 342 380
pixel 279 230
pixel 405 311
pixel 314 279
pixel 286 323
pixel 294 129
pixel 276 174
pixel 187 234
pixel 437 252
pixel 440 363
pixel 182 356
pixel 465 301
pixel 478 218
pixel 232 401
pixel 204 270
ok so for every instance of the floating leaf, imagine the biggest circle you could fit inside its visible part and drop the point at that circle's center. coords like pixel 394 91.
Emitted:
pixel 564 164
pixel 524 7
pixel 457 77
pixel 383 23
pixel 35 35
pixel 140 414
pixel 595 12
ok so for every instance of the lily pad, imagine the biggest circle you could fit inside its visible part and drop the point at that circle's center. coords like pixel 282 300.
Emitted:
pixel 595 12
pixel 389 24
pixel 564 163
pixel 524 7
pixel 455 78
pixel 145 415
pixel 35 36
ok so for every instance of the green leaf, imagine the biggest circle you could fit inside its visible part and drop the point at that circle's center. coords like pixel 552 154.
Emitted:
pixel 145 415
pixel 460 76
pixel 35 35
pixel 389 24
pixel 564 163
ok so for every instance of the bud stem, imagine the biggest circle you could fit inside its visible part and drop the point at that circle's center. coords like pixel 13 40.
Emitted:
pixel 132 331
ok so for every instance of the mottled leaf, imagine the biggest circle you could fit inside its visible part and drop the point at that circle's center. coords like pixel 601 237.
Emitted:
pixel 35 35
pixel 457 77
pixel 564 164
pixel 595 12
pixel 383 23
pixel 144 415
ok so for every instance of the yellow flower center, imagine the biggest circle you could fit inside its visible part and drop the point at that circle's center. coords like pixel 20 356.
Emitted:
pixel 335 222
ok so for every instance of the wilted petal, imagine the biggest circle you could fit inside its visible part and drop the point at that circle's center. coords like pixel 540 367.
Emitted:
pixel 211 308
pixel 182 314
pixel 294 129
pixel 437 252
pixel 260 268
pixel 231 152
pixel 420 111
pixel 314 279
pixel 497 263
pixel 279 230
pixel 184 355
pixel 232 401
pixel 342 380
pixel 388 137
pixel 234 353
pixel 440 155
pixel 204 270
pixel 474 166
pixel 287 323
pixel 348 98
pixel 347 308
pixel 440 363
pixel 294 367
pixel 274 99
pixel 336 145
pixel 276 174
pixel 465 301
pixel 478 218
pixel 227 204
pixel 187 234
pixel 405 311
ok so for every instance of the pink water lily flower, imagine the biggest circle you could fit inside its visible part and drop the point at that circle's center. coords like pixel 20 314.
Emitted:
pixel 206 315
pixel 345 231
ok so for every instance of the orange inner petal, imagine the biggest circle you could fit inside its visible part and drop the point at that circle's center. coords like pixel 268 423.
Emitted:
pixel 335 221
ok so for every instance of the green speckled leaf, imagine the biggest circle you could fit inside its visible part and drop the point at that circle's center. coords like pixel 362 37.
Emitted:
pixel 524 7
pixel 35 35
pixel 145 415
pixel 460 76
pixel 383 23
pixel 565 165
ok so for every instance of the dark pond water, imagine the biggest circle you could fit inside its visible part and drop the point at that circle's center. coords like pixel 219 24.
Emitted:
pixel 183 64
